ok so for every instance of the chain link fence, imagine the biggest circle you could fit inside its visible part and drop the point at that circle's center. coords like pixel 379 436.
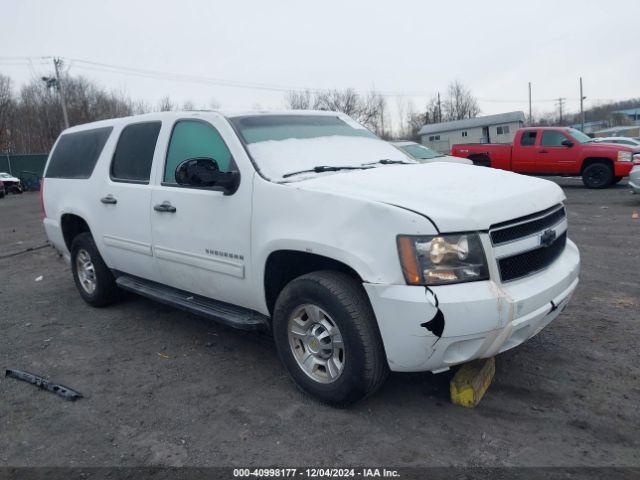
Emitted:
pixel 27 167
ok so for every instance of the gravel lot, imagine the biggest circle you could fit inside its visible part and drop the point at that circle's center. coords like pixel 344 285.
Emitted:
pixel 167 388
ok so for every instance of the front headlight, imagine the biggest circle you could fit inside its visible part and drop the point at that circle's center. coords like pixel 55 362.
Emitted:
pixel 442 259
pixel 624 156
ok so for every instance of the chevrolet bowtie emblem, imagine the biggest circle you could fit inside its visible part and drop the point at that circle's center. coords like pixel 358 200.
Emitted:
pixel 547 237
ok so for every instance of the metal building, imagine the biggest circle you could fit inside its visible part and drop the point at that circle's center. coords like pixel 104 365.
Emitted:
pixel 500 128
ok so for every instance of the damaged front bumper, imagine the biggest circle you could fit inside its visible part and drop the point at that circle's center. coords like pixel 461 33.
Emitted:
pixel 481 319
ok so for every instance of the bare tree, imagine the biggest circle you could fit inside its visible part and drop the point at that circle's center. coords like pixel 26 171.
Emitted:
pixel 6 105
pixel 432 111
pixel 34 117
pixel 188 105
pixel 165 104
pixel 299 100
pixel 460 103
pixel 369 110
pixel 411 121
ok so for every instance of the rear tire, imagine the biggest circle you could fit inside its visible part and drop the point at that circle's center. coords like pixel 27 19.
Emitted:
pixel 597 175
pixel 327 338
pixel 480 160
pixel 95 282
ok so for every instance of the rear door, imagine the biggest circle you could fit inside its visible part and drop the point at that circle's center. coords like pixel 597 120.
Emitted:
pixel 125 201
pixel 524 152
pixel 552 155
pixel 202 236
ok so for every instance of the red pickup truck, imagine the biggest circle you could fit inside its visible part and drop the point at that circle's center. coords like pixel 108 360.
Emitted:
pixel 556 151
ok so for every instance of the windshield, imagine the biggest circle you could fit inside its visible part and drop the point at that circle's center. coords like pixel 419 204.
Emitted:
pixel 579 136
pixel 281 144
pixel 420 152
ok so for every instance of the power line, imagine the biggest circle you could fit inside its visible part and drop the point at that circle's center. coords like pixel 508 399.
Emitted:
pixel 179 77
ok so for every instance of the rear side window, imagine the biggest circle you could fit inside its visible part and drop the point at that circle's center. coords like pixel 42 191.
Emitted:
pixel 134 153
pixel 77 153
pixel 528 139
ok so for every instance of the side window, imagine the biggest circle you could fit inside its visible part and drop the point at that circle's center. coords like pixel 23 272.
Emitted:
pixel 551 138
pixel 499 130
pixel 528 138
pixel 506 129
pixel 195 139
pixel 134 153
pixel 76 153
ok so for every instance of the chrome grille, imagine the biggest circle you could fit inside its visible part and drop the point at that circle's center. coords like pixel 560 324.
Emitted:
pixel 529 244
pixel 528 227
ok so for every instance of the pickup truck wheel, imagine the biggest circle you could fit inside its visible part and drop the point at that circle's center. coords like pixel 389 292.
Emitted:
pixel 327 338
pixel 597 175
pixel 92 277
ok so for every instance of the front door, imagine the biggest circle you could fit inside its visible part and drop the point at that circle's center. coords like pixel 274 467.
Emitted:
pixel 125 223
pixel 201 236
pixel 553 156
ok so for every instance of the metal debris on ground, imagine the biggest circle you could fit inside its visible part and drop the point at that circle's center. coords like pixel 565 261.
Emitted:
pixel 40 382
pixel 471 382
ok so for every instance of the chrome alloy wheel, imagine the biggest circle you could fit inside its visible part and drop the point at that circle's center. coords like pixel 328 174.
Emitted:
pixel 86 271
pixel 316 343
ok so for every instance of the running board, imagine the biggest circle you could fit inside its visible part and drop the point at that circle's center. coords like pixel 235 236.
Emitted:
pixel 225 313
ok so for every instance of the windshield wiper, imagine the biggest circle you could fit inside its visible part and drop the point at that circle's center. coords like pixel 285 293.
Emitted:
pixel 386 161
pixel 325 168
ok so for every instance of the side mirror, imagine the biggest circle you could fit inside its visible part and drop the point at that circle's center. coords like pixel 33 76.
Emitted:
pixel 204 172
pixel 567 143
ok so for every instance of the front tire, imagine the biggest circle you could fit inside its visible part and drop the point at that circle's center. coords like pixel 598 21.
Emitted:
pixel 597 175
pixel 95 282
pixel 327 338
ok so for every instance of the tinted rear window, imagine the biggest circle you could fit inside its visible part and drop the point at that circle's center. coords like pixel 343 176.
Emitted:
pixel 528 138
pixel 134 153
pixel 77 153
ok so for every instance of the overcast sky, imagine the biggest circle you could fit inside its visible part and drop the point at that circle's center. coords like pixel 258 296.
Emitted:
pixel 413 48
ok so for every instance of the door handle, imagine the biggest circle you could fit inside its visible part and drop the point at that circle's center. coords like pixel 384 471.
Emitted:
pixel 164 207
pixel 109 200
pixel 543 151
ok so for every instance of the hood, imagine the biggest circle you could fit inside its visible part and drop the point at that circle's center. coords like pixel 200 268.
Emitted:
pixel 9 179
pixel 447 158
pixel 603 147
pixel 455 197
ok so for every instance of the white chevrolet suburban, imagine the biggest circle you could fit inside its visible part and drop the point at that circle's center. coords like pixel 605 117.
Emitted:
pixel 358 259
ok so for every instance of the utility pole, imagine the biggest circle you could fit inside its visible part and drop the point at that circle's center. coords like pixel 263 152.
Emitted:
pixel 582 99
pixel 57 63
pixel 530 115
pixel 560 106
pixel 439 109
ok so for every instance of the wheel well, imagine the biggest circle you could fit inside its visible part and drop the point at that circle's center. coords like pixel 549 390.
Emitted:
pixel 72 226
pixel 591 161
pixel 285 265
